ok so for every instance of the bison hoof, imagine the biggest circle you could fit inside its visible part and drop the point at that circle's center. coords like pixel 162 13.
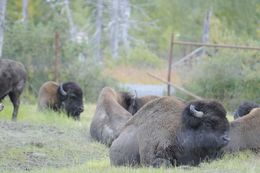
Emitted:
pixel 159 162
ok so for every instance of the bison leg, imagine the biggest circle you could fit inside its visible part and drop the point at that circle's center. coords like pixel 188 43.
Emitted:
pixel 14 97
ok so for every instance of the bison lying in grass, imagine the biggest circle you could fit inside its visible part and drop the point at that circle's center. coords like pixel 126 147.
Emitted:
pixel 12 82
pixel 245 132
pixel 168 132
pixel 67 96
pixel 112 111
pixel 244 109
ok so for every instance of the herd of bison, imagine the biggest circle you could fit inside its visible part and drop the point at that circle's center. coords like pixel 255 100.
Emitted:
pixel 147 131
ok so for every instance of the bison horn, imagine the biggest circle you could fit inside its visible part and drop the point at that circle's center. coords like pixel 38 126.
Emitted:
pixel 198 114
pixel 134 98
pixel 62 90
pixel 1 106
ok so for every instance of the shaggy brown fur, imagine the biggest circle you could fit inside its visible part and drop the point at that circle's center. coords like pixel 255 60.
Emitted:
pixel 47 96
pixel 112 111
pixel 245 132
pixel 165 132
pixel 12 82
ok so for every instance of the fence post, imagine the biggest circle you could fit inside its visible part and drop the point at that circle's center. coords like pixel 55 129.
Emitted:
pixel 170 65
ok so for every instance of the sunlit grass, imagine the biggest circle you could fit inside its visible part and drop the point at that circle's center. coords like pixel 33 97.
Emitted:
pixel 29 113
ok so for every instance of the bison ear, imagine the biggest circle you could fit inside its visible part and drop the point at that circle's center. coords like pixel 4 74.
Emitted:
pixel 198 114
pixel 64 93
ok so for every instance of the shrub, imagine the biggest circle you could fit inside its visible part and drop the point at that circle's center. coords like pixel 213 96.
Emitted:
pixel 228 77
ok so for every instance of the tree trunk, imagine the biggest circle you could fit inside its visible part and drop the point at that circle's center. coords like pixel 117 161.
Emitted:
pixel 99 30
pixel 25 11
pixel 125 12
pixel 73 29
pixel 206 27
pixel 114 28
pixel 2 23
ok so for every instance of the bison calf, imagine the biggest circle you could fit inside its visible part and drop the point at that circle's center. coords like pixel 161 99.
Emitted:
pixel 12 82
pixel 168 132
pixel 67 96
pixel 112 111
pixel 245 132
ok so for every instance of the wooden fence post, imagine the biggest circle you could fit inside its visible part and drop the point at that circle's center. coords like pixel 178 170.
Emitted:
pixel 170 65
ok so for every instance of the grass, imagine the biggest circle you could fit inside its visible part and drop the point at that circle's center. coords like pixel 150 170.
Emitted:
pixel 50 142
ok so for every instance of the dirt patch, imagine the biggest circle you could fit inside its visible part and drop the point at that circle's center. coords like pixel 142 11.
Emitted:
pixel 27 146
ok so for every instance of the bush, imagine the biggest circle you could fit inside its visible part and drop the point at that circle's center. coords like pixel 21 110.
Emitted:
pixel 227 77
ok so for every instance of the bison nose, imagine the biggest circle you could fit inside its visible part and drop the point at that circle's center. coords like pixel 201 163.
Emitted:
pixel 81 109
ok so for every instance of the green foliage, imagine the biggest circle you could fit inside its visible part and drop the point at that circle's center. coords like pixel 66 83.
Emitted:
pixel 33 45
pixel 90 77
pixel 228 77
pixel 141 57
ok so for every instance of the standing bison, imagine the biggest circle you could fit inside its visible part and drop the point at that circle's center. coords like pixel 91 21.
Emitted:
pixel 67 96
pixel 112 111
pixel 244 109
pixel 168 132
pixel 12 82
pixel 245 132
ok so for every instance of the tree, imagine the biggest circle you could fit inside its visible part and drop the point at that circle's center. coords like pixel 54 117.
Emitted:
pixel 99 30
pixel 25 11
pixel 2 23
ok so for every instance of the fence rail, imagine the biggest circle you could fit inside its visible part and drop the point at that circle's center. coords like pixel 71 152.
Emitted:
pixel 216 45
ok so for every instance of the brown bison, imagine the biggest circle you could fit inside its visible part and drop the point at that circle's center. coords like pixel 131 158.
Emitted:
pixel 67 96
pixel 244 109
pixel 168 132
pixel 12 82
pixel 112 111
pixel 245 132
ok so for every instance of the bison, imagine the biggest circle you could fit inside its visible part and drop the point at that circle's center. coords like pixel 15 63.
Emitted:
pixel 245 108
pixel 12 82
pixel 67 96
pixel 245 132
pixel 168 132
pixel 112 111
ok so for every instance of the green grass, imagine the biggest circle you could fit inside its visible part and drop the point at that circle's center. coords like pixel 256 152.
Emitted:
pixel 46 142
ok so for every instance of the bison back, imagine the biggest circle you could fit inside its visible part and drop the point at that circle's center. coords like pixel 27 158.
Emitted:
pixel 47 96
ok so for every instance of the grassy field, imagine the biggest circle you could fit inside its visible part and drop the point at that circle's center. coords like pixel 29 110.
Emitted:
pixel 51 142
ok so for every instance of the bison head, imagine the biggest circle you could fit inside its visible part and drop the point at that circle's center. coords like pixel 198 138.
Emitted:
pixel 71 99
pixel 244 109
pixel 207 127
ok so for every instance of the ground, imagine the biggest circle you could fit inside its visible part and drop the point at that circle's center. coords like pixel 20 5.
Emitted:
pixel 51 142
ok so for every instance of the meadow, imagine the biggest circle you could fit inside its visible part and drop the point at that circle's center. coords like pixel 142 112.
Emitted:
pixel 46 142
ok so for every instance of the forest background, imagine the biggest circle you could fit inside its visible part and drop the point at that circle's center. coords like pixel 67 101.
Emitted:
pixel 88 40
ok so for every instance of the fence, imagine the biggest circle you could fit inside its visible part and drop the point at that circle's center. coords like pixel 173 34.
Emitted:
pixel 187 57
